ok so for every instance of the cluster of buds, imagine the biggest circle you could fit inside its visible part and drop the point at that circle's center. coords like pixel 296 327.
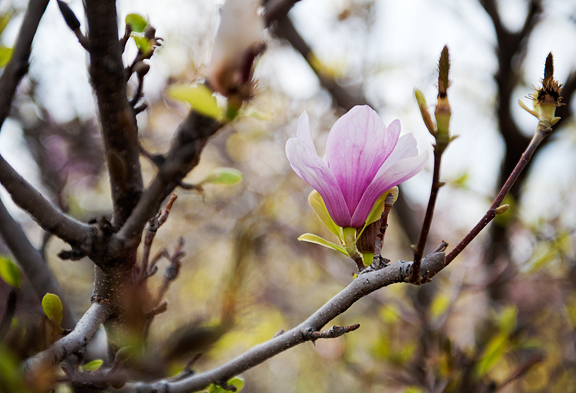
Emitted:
pixel 547 98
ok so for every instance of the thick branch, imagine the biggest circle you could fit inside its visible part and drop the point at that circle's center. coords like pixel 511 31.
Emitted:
pixel 118 121
pixel 18 65
pixel 184 154
pixel 74 341
pixel 363 285
pixel 43 212
pixel 31 262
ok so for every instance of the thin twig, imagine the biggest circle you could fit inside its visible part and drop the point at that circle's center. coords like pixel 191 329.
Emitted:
pixel 436 184
pixel 538 137
pixel 153 225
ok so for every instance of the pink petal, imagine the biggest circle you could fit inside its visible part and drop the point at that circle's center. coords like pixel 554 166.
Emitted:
pixel 358 145
pixel 309 166
pixel 388 176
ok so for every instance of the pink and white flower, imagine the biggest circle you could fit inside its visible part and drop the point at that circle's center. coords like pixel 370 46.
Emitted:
pixel 364 159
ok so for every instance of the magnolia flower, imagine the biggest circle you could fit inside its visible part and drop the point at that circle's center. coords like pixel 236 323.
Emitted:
pixel 364 159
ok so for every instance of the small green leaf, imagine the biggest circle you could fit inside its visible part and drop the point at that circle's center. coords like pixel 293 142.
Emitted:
pixel 236 381
pixel 52 307
pixel 5 55
pixel 226 176
pixel 311 238
pixel 9 271
pixel 93 365
pixel 142 43
pixel 507 319
pixel 137 22
pixel 200 98
pixel 317 203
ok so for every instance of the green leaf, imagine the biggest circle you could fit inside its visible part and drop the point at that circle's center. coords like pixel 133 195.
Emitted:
pixel 142 43
pixel 93 365
pixel 137 22
pixel 507 320
pixel 317 203
pixel 236 381
pixel 311 238
pixel 494 351
pixel 52 307
pixel 5 55
pixel 200 98
pixel 9 271
pixel 227 176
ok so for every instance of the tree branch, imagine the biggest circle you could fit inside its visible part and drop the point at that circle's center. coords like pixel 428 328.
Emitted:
pixel 18 65
pixel 184 154
pixel 43 212
pixel 118 120
pixel 363 285
pixel 68 345
pixel 32 263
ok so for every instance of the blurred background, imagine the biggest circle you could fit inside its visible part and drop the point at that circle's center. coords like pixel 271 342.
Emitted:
pixel 500 318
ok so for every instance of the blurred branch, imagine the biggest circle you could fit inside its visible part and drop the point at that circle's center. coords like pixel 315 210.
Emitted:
pixel 366 283
pixel 277 9
pixel 184 154
pixel 43 212
pixel 29 259
pixel 6 320
pixel 116 116
pixel 73 342
pixel 18 65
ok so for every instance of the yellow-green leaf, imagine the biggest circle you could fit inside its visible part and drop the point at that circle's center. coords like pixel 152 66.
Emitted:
pixel 236 381
pixel 142 43
pixel 319 207
pixel 378 208
pixel 9 271
pixel 52 307
pixel 494 351
pixel 93 365
pixel 311 238
pixel 5 55
pixel 227 176
pixel 137 22
pixel 439 305
pixel 199 97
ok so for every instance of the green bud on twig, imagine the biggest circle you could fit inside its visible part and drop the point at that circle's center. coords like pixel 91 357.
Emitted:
pixel 502 209
pixel 443 112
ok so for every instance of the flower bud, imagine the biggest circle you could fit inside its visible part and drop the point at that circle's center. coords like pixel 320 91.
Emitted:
pixel 238 42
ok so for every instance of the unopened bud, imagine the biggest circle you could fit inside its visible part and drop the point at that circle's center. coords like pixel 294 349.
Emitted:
pixel 502 209
pixel 443 112
pixel 424 112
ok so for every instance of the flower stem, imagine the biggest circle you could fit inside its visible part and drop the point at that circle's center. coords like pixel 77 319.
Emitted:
pixel 388 203
pixel 436 184
pixel 542 131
